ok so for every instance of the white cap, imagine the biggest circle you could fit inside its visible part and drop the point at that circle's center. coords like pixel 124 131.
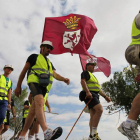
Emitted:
pixel 46 42
pixel 8 66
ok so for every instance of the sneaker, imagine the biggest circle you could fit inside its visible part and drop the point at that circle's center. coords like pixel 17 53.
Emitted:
pixel 52 135
pixel 94 137
pixel 37 139
pixel 132 133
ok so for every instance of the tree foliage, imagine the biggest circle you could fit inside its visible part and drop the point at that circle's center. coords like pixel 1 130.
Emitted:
pixel 16 125
pixel 122 89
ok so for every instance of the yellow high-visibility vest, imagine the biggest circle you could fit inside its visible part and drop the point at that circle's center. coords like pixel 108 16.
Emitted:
pixel 41 66
pixel 45 99
pixel 135 34
pixel 26 111
pixel 92 83
pixel 4 88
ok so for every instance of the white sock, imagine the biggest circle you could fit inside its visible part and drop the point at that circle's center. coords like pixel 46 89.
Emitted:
pixel 45 131
pixel 94 130
pixel 30 137
pixel 36 136
pixel 130 123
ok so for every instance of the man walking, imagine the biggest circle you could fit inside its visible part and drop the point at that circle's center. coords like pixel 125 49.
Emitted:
pixel 129 127
pixel 5 91
pixel 39 67
pixel 91 89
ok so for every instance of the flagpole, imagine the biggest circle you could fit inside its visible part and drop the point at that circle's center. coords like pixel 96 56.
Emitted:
pixel 81 62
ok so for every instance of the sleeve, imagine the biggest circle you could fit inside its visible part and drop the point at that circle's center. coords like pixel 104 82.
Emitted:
pixel 32 59
pixel 85 75
pixel 11 85
pixel 137 20
pixel 12 103
pixel 26 102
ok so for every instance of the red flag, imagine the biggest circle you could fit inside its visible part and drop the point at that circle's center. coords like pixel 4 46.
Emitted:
pixel 103 65
pixel 72 33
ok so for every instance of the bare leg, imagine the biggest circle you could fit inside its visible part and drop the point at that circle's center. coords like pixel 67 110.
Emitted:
pixel 95 115
pixel 6 127
pixel 135 109
pixel 1 128
pixel 28 120
pixel 39 112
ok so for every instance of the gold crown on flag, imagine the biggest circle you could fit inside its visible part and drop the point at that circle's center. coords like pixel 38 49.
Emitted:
pixel 72 23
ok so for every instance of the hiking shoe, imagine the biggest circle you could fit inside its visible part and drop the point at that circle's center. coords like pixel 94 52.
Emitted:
pixel 52 135
pixel 94 137
pixel 132 133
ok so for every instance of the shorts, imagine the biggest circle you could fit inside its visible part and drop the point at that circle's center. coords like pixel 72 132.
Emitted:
pixel 7 119
pixel 36 89
pixel 95 100
pixel 23 122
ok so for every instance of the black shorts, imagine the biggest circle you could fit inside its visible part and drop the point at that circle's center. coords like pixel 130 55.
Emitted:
pixel 36 89
pixel 23 122
pixel 93 102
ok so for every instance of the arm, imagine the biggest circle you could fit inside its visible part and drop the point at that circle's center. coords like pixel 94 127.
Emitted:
pixel 26 107
pixel 21 77
pixel 9 99
pixel 48 106
pixel 84 85
pixel 105 96
pixel 60 78
pixel 13 112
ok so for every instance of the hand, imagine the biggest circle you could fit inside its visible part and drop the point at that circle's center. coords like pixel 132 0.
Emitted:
pixel 8 106
pixel 13 118
pixel 18 91
pixel 49 109
pixel 88 95
pixel 67 81
pixel 107 99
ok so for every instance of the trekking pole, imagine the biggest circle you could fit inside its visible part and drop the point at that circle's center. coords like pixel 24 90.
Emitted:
pixel 78 119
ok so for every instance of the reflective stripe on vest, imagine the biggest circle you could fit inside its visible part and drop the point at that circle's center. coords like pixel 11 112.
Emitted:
pixel 92 83
pixel 135 34
pixel 3 88
pixel 41 66
pixel 45 99
pixel 26 111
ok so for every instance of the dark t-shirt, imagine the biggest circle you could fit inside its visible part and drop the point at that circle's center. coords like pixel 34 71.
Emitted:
pixel 85 75
pixel 32 60
pixel 26 103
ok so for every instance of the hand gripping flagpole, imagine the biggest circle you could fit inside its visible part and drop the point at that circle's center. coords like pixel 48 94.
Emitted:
pixel 78 119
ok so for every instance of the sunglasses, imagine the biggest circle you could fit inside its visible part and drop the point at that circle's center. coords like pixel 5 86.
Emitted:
pixel 49 47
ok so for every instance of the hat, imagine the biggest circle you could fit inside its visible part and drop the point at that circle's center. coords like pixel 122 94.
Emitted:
pixel 46 43
pixel 8 66
pixel 91 63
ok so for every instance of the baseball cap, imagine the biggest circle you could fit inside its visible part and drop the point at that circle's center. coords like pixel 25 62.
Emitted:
pixel 46 42
pixel 8 66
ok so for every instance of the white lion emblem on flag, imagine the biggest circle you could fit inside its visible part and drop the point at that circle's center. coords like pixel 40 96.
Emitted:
pixel 71 39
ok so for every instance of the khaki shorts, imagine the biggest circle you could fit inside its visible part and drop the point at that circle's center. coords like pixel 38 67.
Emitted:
pixel 132 55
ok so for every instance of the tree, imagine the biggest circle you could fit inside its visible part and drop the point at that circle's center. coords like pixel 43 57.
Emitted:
pixel 122 89
pixel 18 102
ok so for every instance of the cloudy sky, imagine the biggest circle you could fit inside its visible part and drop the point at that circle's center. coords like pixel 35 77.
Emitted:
pixel 21 28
